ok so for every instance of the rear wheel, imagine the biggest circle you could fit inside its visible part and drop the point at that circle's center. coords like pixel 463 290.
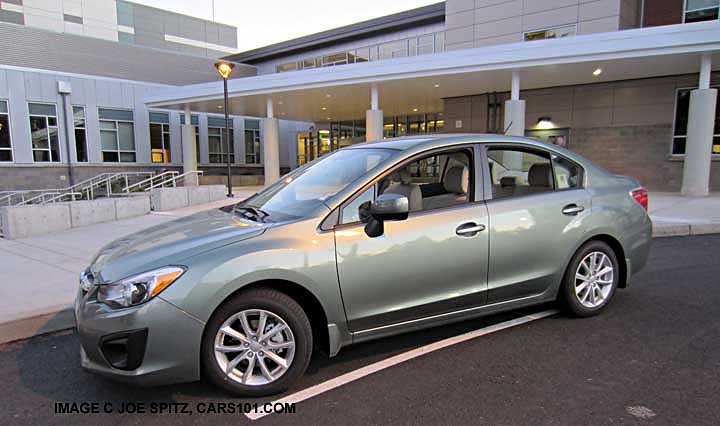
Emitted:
pixel 258 343
pixel 590 280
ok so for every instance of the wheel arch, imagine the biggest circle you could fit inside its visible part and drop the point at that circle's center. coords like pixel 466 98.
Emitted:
pixel 304 297
pixel 617 247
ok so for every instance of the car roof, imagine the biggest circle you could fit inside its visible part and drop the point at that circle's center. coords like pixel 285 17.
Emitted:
pixel 424 142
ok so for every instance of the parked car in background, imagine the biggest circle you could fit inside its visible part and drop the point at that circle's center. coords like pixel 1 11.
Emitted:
pixel 370 241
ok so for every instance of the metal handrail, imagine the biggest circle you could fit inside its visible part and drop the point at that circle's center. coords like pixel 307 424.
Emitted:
pixel 149 181
pixel 59 197
pixel 176 179
pixel 82 189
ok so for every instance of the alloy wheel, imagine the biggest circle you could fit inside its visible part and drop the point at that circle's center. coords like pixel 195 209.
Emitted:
pixel 254 347
pixel 594 279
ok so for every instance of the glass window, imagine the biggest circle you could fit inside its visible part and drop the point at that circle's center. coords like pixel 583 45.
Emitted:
pixel 5 144
pixel 217 148
pixel 44 132
pixel 548 33
pixel 568 175
pixel 290 66
pixel 252 144
pixel 432 182
pixel 80 133
pixel 682 111
pixel 117 137
pixel 701 10
pixel 307 188
pixel 159 137
pixel 516 172
pixel 350 212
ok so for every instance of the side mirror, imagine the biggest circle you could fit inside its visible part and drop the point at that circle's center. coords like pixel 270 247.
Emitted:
pixel 385 207
pixel 390 207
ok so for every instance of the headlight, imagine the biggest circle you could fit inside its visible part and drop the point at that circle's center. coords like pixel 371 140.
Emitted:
pixel 139 288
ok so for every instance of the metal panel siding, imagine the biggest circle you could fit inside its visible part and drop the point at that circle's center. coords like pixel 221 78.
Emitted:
pixel 88 56
pixel 142 128
pixel 19 124
pixel 175 138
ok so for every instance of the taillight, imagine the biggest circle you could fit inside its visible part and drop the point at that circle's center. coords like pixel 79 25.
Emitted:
pixel 641 196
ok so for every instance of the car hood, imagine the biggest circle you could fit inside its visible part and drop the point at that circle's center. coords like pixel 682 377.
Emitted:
pixel 170 243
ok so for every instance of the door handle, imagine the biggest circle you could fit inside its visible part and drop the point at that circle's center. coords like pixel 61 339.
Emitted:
pixel 469 229
pixel 572 209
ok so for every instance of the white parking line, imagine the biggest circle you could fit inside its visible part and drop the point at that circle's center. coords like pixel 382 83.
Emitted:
pixel 397 359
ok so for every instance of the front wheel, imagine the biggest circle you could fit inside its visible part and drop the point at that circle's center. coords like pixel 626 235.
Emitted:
pixel 590 280
pixel 257 344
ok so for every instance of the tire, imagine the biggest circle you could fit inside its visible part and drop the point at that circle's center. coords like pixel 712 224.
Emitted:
pixel 281 313
pixel 588 300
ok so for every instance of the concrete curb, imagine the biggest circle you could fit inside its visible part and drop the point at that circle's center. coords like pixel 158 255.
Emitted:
pixel 25 328
pixel 667 229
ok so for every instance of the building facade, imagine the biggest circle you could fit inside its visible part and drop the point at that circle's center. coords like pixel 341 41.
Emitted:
pixel 124 22
pixel 72 96
pixel 635 126
pixel 615 80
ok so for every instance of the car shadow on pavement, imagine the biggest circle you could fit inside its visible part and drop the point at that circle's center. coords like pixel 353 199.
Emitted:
pixel 49 366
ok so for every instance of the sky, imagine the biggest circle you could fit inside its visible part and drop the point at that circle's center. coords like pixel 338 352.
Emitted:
pixel 260 23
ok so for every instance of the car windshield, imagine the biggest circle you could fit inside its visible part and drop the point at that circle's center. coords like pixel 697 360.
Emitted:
pixel 305 189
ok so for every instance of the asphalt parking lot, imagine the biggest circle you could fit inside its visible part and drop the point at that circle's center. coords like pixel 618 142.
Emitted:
pixel 652 358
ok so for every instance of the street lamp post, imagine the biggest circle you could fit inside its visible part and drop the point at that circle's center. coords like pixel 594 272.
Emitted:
pixel 224 69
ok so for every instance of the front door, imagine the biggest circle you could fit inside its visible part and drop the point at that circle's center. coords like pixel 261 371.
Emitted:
pixel 433 262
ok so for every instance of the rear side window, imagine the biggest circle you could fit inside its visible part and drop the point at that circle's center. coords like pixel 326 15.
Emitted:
pixel 516 172
pixel 568 175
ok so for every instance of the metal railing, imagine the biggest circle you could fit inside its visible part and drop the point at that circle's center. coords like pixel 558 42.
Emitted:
pixel 164 180
pixel 102 185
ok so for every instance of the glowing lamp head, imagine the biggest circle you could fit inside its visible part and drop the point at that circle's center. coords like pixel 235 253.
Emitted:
pixel 224 69
pixel 545 123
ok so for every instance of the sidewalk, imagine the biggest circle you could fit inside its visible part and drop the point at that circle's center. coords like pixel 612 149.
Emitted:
pixel 675 215
pixel 40 274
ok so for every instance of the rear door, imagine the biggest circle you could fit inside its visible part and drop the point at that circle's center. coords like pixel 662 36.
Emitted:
pixel 537 208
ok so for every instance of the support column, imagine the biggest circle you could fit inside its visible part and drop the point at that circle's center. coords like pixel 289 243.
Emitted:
pixel 514 120
pixel 374 117
pixel 701 123
pixel 271 146
pixel 188 147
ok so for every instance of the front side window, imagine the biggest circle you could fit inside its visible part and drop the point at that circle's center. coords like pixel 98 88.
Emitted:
pixel 307 188
pixel 252 142
pixel 159 137
pixel 432 182
pixel 44 132
pixel 701 10
pixel 5 144
pixel 80 129
pixel 117 135
pixel 516 172
pixel 682 112
pixel 548 33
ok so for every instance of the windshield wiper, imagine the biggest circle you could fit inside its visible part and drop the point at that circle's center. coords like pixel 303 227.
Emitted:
pixel 257 214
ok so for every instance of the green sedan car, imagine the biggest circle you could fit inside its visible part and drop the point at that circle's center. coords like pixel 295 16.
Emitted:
pixel 367 242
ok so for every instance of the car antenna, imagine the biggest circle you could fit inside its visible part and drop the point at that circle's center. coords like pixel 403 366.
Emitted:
pixel 507 129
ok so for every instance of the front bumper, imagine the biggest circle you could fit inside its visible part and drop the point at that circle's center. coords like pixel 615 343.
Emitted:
pixel 171 337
